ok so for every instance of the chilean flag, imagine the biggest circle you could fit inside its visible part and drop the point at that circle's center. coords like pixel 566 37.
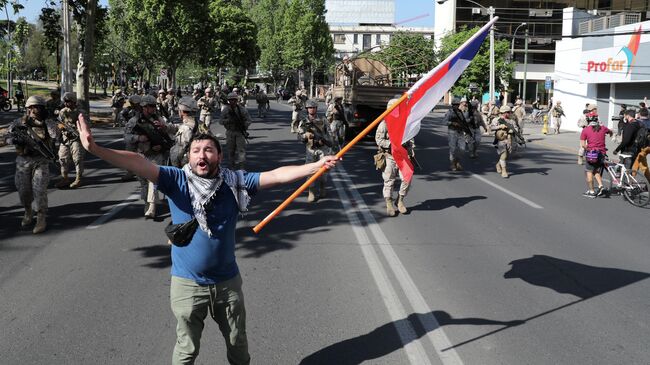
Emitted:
pixel 403 121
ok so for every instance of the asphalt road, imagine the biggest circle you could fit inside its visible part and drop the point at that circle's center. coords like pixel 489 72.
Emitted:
pixel 482 270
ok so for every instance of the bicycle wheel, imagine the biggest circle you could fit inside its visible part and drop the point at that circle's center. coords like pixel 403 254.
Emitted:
pixel 636 191
pixel 7 106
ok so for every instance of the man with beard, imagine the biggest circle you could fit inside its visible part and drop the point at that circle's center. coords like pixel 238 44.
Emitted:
pixel 205 275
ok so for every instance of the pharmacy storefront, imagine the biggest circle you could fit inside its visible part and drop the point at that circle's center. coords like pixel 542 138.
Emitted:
pixel 607 70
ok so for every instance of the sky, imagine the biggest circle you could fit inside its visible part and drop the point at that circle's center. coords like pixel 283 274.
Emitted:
pixel 404 10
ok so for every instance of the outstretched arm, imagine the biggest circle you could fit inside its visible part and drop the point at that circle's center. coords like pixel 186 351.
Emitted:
pixel 287 174
pixel 124 159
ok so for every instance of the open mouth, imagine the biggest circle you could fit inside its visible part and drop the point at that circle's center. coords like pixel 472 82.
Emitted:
pixel 202 164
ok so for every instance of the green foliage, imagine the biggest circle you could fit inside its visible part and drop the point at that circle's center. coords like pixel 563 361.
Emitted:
pixel 269 15
pixel 50 18
pixel 234 41
pixel 408 56
pixel 478 71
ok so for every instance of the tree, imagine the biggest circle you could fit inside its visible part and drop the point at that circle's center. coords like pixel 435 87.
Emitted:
pixel 268 15
pixel 478 70
pixel 50 19
pixel 234 41
pixel 408 56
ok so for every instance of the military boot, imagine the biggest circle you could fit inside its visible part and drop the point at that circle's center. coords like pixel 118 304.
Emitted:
pixel 390 208
pixel 459 167
pixel 311 197
pixel 28 218
pixel 65 182
pixel 504 172
pixel 400 205
pixel 41 224
pixel 452 165
pixel 323 191
pixel 77 181
pixel 151 211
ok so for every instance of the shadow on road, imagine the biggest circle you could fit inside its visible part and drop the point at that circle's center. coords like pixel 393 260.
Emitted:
pixel 440 204
pixel 162 255
pixel 385 339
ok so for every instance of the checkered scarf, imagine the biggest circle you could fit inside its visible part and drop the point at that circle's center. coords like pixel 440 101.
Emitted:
pixel 202 190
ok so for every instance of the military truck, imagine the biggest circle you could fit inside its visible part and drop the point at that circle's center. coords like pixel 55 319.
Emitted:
pixel 366 87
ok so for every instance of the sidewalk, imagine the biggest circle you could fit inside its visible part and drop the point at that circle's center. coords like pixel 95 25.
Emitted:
pixel 567 141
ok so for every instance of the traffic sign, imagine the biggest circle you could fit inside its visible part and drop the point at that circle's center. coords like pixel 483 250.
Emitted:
pixel 163 72
pixel 547 83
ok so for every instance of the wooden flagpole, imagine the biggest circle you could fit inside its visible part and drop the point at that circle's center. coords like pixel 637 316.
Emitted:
pixel 322 170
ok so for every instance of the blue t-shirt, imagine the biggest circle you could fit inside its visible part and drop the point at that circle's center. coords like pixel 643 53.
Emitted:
pixel 205 260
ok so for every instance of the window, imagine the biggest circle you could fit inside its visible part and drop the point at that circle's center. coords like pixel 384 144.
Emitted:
pixel 339 38
pixel 378 40
pixel 356 39
pixel 366 41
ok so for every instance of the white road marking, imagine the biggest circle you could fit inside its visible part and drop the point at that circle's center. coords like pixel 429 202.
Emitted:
pixel 514 195
pixel 414 350
pixel 116 209
pixel 435 332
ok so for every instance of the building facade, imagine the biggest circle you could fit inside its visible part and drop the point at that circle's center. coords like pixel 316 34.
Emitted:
pixel 608 67
pixel 544 22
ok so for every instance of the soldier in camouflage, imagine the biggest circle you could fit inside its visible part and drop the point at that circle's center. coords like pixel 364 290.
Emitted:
pixel 298 104
pixel 262 103
pixel 236 120
pixel 314 133
pixel 131 109
pixel 171 102
pixel 207 104
pixel 117 103
pixel 336 118
pixel 189 127
pixel 390 171
pixel 518 113
pixel 503 138
pixel 53 104
pixel 70 149
pixel 161 104
pixel 149 133
pixel 32 167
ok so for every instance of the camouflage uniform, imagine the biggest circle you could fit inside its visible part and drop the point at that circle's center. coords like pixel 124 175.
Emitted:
pixel 236 121
pixel 336 117
pixel 161 105
pixel 318 141
pixel 117 103
pixel 70 149
pixel 155 154
pixel 171 102
pixel 503 139
pixel 457 121
pixel 207 106
pixel 262 104
pixel 298 106
pixel 391 171
pixel 32 169
pixel 53 105
pixel 519 112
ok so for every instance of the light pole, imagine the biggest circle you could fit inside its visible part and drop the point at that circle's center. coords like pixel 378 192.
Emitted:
pixel 490 12
pixel 514 35
pixel 525 63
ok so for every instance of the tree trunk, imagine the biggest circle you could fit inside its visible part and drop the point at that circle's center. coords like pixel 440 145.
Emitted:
pixel 86 58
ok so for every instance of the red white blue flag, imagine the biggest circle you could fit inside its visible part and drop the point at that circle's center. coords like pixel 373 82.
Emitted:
pixel 404 121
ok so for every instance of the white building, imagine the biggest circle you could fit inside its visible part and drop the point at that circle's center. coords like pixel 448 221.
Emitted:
pixel 608 70
pixel 353 39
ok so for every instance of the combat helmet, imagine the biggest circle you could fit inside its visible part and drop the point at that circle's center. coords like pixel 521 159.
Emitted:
pixel 70 96
pixel 35 100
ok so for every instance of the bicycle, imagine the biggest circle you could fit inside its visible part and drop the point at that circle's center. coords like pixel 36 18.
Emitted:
pixel 634 189
pixel 539 117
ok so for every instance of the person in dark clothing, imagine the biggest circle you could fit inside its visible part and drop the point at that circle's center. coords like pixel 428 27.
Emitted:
pixel 630 127
pixel 621 123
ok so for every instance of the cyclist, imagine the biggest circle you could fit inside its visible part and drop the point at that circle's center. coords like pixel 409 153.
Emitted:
pixel 629 130
pixel 592 140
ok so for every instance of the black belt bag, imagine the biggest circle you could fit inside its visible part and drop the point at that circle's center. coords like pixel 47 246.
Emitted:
pixel 181 234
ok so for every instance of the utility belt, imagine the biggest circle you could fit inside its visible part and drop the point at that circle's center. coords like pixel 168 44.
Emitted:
pixel 455 126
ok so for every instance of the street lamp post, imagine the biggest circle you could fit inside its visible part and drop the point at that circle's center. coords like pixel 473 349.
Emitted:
pixel 514 36
pixel 525 63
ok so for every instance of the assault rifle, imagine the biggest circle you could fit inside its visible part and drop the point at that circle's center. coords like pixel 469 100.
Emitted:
pixel 464 124
pixel 156 135
pixel 23 135
pixel 70 132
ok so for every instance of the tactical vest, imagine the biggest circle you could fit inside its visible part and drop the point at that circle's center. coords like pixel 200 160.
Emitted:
pixel 235 121
pixel 39 129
